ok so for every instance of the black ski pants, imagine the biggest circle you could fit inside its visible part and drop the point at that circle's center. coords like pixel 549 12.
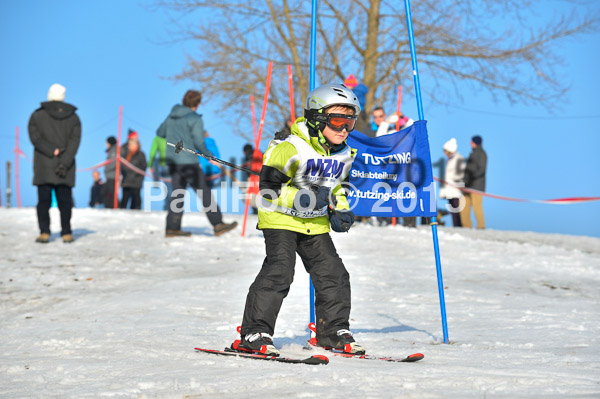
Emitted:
pixel 271 286
pixel 64 200
pixel 181 177
pixel 455 202
pixel 108 192
pixel 133 194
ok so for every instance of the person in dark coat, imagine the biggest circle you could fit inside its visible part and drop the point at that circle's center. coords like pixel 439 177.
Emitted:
pixel 475 179
pixel 184 124
pixel 132 179
pixel 253 160
pixel 280 134
pixel 55 132
pixel 108 192
pixel 96 192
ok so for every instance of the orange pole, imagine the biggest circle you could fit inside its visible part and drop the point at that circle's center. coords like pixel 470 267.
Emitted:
pixel 291 89
pixel 118 160
pixel 254 135
pixel 257 142
pixel 398 110
pixel 254 132
pixel 17 154
pixel 398 126
pixel 264 109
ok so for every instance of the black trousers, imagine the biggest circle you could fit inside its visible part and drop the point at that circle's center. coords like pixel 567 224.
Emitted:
pixel 134 195
pixel 455 202
pixel 64 199
pixel 271 286
pixel 108 193
pixel 181 177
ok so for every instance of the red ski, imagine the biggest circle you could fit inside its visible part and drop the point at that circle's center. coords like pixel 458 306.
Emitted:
pixel 415 357
pixel 313 360
pixel 312 343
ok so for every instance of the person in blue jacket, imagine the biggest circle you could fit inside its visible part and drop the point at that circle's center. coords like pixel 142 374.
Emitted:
pixel 211 171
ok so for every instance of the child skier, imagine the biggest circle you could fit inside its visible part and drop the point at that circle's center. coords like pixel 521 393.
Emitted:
pixel 302 196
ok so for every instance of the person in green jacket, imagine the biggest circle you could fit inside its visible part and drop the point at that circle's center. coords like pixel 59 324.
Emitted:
pixel 158 167
pixel 302 197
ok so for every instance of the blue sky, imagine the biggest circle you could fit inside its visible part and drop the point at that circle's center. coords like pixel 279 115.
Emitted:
pixel 116 53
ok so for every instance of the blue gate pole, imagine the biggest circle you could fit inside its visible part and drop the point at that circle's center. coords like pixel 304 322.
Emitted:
pixel 436 247
pixel 313 52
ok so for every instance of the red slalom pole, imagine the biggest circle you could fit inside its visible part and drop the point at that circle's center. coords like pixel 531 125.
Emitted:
pixel 398 109
pixel 254 132
pixel 291 90
pixel 118 161
pixel 264 108
pixel 255 136
pixel 398 127
pixel 253 180
pixel 17 154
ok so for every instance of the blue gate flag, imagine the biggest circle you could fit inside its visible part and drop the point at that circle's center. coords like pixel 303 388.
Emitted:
pixel 391 175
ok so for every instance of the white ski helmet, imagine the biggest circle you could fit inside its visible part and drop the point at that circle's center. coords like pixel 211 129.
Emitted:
pixel 326 96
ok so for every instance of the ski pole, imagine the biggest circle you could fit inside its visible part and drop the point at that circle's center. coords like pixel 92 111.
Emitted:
pixel 179 147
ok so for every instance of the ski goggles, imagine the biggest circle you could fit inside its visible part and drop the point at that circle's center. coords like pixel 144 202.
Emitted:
pixel 339 122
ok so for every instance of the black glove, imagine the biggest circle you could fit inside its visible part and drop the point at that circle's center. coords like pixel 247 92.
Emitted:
pixel 341 220
pixel 321 194
pixel 61 170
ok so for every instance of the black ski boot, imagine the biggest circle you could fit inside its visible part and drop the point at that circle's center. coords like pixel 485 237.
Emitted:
pixel 257 343
pixel 342 341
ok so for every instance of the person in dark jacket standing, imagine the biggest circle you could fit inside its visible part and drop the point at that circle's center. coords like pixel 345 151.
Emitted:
pixel 132 179
pixel 96 192
pixel 55 132
pixel 475 179
pixel 184 124
pixel 110 170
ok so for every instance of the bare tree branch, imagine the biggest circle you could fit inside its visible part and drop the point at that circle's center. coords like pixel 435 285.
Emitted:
pixel 456 42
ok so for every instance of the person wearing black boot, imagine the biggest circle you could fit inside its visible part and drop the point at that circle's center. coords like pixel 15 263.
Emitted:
pixel 302 197
pixel 55 132
pixel 132 180
pixel 184 124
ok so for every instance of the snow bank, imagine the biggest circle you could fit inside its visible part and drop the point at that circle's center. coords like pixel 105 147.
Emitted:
pixel 118 313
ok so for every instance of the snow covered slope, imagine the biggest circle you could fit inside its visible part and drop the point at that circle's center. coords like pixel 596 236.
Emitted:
pixel 118 313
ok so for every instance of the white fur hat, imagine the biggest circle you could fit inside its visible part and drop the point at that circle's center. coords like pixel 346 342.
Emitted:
pixel 451 146
pixel 56 92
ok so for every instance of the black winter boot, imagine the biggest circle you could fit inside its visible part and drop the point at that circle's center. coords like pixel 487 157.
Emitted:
pixel 342 341
pixel 258 343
